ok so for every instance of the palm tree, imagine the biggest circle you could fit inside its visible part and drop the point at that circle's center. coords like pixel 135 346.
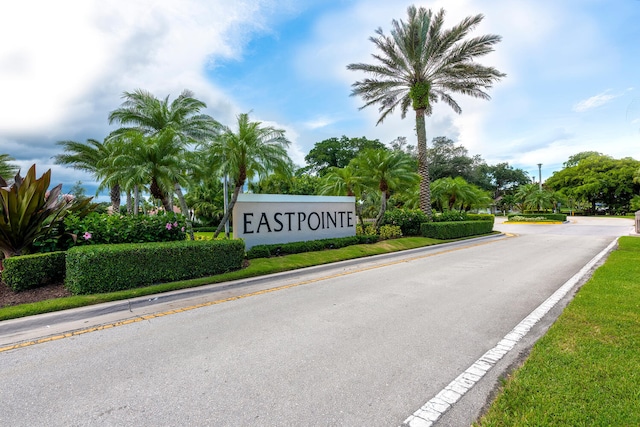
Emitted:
pixel 419 64
pixel 344 182
pixel 385 170
pixel 253 150
pixel 7 170
pixel 457 193
pixel 531 197
pixel 96 158
pixel 169 129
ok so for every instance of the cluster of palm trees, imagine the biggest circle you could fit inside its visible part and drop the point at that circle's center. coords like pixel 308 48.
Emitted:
pixel 163 147
pixel 378 171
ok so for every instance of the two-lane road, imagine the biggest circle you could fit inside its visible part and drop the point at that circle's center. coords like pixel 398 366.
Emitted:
pixel 357 346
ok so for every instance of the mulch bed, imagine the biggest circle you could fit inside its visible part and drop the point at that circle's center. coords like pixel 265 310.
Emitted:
pixel 9 297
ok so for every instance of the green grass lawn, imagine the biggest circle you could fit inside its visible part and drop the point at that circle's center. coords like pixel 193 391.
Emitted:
pixel 257 267
pixel 586 370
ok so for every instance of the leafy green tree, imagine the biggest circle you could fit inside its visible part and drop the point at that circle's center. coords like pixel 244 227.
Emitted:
pixel 334 152
pixel 296 184
pixel 421 63
pixel 449 160
pixel 575 159
pixel 7 170
pixel 599 179
pixel 254 149
pixel 385 170
pixel 505 179
pixel 400 144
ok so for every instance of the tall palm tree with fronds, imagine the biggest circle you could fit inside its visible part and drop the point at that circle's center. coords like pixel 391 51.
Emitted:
pixel 254 149
pixel 168 129
pixel 385 171
pixel 171 126
pixel 94 157
pixel 421 63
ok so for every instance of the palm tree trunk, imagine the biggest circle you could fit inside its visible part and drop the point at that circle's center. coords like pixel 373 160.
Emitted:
pixel 129 202
pixel 225 218
pixel 383 208
pixel 136 199
pixel 185 210
pixel 423 167
pixel 114 194
pixel 160 194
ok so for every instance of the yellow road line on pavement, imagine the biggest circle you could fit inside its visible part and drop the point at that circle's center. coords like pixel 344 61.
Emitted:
pixel 229 299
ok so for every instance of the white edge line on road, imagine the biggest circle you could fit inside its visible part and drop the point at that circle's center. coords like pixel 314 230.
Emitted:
pixel 431 411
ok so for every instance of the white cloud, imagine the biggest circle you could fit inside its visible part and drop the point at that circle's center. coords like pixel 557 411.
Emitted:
pixel 319 122
pixel 594 102
pixel 72 59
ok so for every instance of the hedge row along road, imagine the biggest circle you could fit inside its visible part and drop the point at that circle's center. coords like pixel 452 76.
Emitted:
pixel 363 343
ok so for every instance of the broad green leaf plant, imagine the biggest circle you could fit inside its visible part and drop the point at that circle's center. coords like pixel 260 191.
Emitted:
pixel 28 211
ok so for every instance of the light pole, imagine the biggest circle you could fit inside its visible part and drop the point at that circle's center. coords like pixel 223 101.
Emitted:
pixel 540 175
pixel 225 193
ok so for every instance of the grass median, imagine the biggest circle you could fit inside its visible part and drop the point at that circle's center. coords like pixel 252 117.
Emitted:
pixel 257 267
pixel 585 370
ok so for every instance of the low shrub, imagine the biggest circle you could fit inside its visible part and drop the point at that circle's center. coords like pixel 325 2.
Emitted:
pixel 205 229
pixel 264 251
pixel 481 217
pixel 107 268
pixel 550 216
pixel 407 219
pixel 368 230
pixel 33 271
pixel 390 232
pixel 455 229
pixel 448 216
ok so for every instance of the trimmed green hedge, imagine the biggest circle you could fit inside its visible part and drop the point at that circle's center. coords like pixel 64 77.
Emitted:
pixel 33 271
pixel 553 217
pixel 455 229
pixel 481 217
pixel 266 251
pixel 107 268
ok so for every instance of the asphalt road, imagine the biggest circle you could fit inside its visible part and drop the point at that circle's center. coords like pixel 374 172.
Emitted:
pixel 357 344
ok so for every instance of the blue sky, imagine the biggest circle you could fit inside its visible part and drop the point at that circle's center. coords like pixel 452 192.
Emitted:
pixel 573 73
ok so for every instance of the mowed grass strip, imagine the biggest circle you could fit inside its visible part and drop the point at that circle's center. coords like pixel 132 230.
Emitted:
pixel 257 267
pixel 586 370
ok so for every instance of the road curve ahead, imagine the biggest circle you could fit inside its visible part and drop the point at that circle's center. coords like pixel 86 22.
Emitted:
pixel 363 345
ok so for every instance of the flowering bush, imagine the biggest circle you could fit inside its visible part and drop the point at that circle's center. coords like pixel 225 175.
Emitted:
pixel 101 228
pixel 528 219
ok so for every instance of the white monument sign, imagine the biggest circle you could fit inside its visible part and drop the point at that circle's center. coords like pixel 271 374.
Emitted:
pixel 262 219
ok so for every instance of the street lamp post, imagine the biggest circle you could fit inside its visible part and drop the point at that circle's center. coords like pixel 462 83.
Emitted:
pixel 540 175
